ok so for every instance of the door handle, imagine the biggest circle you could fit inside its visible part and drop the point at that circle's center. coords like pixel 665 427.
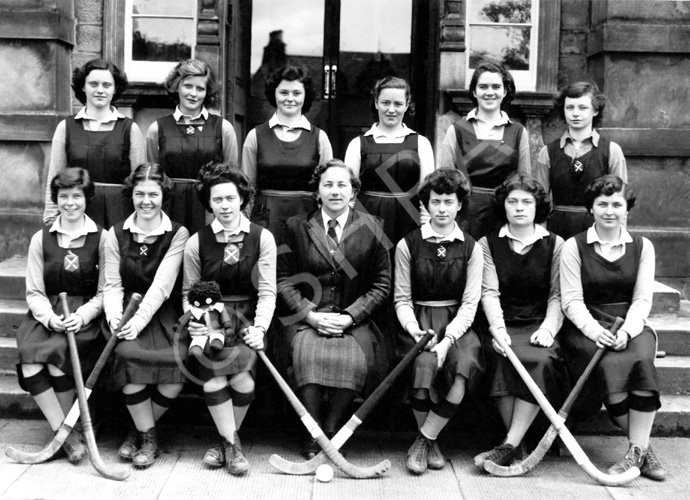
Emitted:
pixel 334 77
pixel 326 82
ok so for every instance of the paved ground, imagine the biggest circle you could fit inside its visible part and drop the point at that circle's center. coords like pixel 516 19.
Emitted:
pixel 179 474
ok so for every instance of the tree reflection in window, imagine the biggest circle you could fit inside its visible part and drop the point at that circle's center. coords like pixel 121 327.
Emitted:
pixel 162 30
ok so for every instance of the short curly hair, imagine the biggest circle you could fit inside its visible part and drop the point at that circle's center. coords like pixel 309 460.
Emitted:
pixel 148 172
pixel 334 163
pixel 493 67
pixel 606 186
pixel 524 182
pixel 291 73
pixel 192 67
pixel 580 89
pixel 69 178
pixel 79 78
pixel 214 173
pixel 444 181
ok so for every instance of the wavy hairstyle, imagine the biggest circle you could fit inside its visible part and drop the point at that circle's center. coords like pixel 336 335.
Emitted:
pixel 192 67
pixel 444 181
pixel 523 182
pixel 291 74
pixel 605 186
pixel 212 174
pixel 580 89
pixel 493 67
pixel 148 172
pixel 334 163
pixel 79 78
pixel 69 178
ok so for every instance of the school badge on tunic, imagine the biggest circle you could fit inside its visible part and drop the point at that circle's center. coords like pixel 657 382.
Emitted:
pixel 190 130
pixel 144 251
pixel 441 252
pixel 232 253
pixel 71 262
pixel 577 166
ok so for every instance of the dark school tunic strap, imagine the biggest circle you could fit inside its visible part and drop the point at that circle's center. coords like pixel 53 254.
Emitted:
pixel 286 166
pixel 71 270
pixel 401 172
pixel 524 280
pixel 438 270
pixel 139 261
pixel 489 162
pixel 104 154
pixel 184 149
pixel 605 282
pixel 230 264
pixel 569 177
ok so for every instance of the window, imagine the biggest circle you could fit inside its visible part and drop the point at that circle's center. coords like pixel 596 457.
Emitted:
pixel 158 34
pixel 506 31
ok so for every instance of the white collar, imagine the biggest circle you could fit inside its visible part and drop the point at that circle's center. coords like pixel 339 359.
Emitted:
pixel 429 232
pixel 89 227
pixel 539 233
pixel 164 226
pixel 302 123
pixel 217 227
pixel 340 220
pixel 505 119
pixel 114 115
pixel 594 137
pixel 376 132
pixel 623 238
pixel 198 312
pixel 178 115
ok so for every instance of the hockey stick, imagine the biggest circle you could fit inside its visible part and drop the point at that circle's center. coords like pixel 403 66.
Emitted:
pixel 316 432
pixel 559 424
pixel 544 445
pixel 72 417
pixel 355 421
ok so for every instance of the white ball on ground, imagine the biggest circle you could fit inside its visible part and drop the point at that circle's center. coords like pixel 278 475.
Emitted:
pixel 324 473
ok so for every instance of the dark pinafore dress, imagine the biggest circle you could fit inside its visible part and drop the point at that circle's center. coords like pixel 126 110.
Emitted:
pixel 438 273
pixel 74 271
pixel 390 177
pixel 569 178
pixel 155 356
pixel 488 163
pixel 105 154
pixel 231 266
pixel 524 286
pixel 184 149
pixel 608 291
pixel 284 170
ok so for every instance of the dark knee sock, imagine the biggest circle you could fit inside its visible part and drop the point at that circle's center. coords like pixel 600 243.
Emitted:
pixel 161 399
pixel 340 402
pixel 62 383
pixel 38 383
pixel 241 399
pixel 137 397
pixel 216 398
pixel 644 404
pixel 438 417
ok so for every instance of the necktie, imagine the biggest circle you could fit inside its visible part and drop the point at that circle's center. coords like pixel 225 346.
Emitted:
pixel 332 234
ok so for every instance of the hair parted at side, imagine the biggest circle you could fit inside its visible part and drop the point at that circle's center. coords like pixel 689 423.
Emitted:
pixel 69 178
pixel 524 182
pixel 580 89
pixel 148 172
pixel 444 181
pixel 334 163
pixel 214 173
pixel 388 82
pixel 605 186
pixel 487 66
pixel 192 67
pixel 291 73
pixel 79 78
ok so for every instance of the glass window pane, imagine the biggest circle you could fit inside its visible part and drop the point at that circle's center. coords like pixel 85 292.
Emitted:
pixel 373 45
pixel 511 46
pixel 285 32
pixel 500 11
pixel 162 39
pixel 164 7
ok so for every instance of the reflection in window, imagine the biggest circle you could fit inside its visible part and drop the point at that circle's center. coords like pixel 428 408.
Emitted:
pixel 504 31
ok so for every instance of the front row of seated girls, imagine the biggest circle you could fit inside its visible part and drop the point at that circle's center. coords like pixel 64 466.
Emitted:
pixel 552 302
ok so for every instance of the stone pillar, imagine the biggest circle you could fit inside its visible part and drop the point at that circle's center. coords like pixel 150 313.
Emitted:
pixel 36 38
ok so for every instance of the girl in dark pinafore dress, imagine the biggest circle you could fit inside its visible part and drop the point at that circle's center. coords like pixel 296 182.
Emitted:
pixel 230 251
pixel 279 156
pixel 189 138
pixel 99 139
pixel 67 257
pixel 521 297
pixel 569 164
pixel 144 255
pixel 607 272
pixel 486 146
pixel 438 275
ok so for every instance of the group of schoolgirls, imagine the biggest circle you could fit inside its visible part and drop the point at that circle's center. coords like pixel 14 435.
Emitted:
pixel 381 233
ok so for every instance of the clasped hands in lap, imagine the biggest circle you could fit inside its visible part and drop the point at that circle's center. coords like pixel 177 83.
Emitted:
pixel 329 324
